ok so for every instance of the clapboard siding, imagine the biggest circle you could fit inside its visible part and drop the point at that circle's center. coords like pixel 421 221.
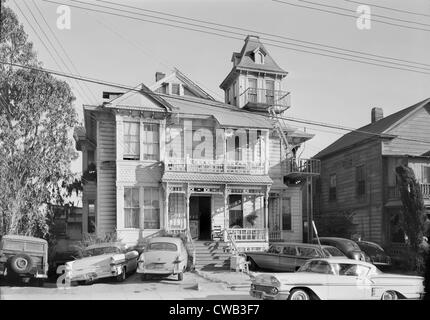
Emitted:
pixel 295 235
pixel 415 127
pixel 106 140
pixel 106 201
pixel 274 157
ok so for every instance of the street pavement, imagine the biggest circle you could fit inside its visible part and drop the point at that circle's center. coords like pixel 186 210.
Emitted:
pixel 193 287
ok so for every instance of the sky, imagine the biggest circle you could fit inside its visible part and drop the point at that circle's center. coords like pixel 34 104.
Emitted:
pixel 323 89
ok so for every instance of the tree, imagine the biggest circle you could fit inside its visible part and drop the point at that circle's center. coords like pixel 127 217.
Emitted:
pixel 36 118
pixel 413 218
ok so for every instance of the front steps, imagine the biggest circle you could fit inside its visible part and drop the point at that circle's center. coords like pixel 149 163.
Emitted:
pixel 212 255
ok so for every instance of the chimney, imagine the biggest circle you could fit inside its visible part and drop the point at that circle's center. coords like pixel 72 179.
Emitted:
pixel 159 76
pixel 377 114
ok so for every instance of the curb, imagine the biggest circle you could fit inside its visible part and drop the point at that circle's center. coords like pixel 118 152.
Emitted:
pixel 230 285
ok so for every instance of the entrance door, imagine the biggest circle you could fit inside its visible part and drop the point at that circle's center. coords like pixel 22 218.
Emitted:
pixel 200 216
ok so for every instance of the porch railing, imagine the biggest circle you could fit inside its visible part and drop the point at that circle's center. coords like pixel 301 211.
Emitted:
pixel 393 192
pixel 275 235
pixel 214 166
pixel 267 97
pixel 301 166
pixel 244 234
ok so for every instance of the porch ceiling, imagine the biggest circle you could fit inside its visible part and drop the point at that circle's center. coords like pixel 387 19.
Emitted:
pixel 220 178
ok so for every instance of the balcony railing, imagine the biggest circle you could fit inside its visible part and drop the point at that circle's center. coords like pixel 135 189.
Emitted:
pixel 248 234
pixel 214 166
pixel 275 235
pixel 393 192
pixel 266 98
pixel 297 167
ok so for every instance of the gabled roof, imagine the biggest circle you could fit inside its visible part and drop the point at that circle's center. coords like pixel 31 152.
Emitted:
pixel 246 59
pixel 188 83
pixel 372 130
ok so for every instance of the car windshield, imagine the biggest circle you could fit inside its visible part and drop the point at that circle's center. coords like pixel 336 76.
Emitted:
pixel 371 249
pixel 332 251
pixel 99 251
pixel 351 245
pixel 316 266
pixel 162 246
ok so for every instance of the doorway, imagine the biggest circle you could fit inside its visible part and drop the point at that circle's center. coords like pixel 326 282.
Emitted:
pixel 200 217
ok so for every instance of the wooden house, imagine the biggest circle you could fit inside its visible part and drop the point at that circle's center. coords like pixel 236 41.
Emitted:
pixel 171 157
pixel 358 172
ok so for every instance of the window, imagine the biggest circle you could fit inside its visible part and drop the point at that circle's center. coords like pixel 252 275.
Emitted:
pixel 151 208
pixel 234 93
pixel 237 149
pixel 162 246
pixel 426 174
pixel 289 250
pixel 227 95
pixel 131 141
pixel 275 249
pixel 252 90
pixel 90 155
pixel 131 207
pixel 91 217
pixel 332 187
pixel 259 57
pixel 270 91
pixel 150 143
pixel 360 180
pixel 235 211
pixel 307 252
pixel 176 88
pixel 286 214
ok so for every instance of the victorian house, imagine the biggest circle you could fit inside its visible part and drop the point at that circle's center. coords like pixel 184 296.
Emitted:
pixel 358 172
pixel 171 157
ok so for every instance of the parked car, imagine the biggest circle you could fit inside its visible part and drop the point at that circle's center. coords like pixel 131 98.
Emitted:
pixel 103 260
pixel 287 256
pixel 163 256
pixel 376 254
pixel 336 279
pixel 24 258
pixel 347 246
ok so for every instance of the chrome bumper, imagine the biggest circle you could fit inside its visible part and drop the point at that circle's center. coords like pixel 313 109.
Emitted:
pixel 281 295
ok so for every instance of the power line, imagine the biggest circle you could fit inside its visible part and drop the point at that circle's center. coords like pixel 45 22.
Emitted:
pixel 64 51
pixel 213 103
pixel 236 38
pixel 264 33
pixel 391 9
pixel 349 15
pixel 373 14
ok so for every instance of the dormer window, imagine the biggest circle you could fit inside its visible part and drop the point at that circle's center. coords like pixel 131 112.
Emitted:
pixel 259 56
pixel 176 89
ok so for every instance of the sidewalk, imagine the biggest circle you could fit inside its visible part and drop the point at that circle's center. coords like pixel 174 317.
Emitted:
pixel 231 278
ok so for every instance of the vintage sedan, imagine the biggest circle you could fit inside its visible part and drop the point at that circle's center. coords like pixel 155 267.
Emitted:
pixel 376 254
pixel 289 256
pixel 163 256
pixel 336 279
pixel 102 260
pixel 347 246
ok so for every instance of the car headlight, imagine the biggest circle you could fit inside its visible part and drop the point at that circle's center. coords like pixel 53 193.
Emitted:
pixel 275 282
pixel 253 287
pixel 274 291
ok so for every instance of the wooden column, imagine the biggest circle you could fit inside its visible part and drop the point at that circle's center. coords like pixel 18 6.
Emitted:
pixel 226 220
pixel 266 213
pixel 166 206
pixel 187 209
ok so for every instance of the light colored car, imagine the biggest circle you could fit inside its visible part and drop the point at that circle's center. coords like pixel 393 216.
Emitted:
pixel 163 256
pixel 289 256
pixel 102 260
pixel 336 279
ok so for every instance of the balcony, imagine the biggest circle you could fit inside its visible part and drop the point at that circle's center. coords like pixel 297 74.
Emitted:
pixel 299 168
pixel 393 192
pixel 261 99
pixel 214 166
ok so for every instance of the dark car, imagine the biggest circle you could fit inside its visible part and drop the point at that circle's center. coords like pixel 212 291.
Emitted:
pixel 347 246
pixel 23 258
pixel 289 256
pixel 377 255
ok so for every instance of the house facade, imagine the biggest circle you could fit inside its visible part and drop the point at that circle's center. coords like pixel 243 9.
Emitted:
pixel 358 175
pixel 171 157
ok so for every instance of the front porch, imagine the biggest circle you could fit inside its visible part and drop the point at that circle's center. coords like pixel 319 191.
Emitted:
pixel 218 210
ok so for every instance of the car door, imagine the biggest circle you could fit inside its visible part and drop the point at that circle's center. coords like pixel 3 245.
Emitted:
pixel 348 282
pixel 270 259
pixel 287 258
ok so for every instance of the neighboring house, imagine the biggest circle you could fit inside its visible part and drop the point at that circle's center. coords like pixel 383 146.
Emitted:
pixel 171 157
pixel 358 171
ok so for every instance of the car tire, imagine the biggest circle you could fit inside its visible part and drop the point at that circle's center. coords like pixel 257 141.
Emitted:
pixel 20 264
pixel 180 276
pixel 121 277
pixel 389 295
pixel 299 294
pixel 252 265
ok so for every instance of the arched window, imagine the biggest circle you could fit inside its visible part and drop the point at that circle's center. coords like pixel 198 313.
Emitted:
pixel 259 58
